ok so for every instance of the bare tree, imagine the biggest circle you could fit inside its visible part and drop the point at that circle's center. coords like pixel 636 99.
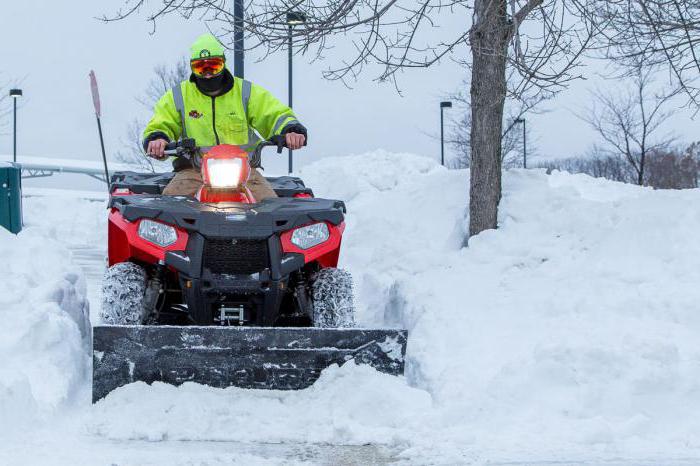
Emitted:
pixel 667 168
pixel 5 107
pixel 653 32
pixel 4 111
pixel 132 152
pixel 512 138
pixel 598 164
pixel 512 142
pixel 165 77
pixel 670 169
pixel 629 121
pixel 541 40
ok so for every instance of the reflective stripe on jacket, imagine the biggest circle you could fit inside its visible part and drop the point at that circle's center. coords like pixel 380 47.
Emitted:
pixel 230 118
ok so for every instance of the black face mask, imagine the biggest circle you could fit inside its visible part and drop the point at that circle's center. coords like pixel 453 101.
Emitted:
pixel 211 85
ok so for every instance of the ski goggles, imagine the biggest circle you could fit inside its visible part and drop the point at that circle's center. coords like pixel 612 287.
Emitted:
pixel 207 66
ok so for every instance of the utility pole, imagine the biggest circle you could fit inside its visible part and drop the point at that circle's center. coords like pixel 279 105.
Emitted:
pixel 293 18
pixel 238 38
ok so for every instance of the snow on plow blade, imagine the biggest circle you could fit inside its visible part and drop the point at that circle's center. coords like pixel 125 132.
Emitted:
pixel 248 357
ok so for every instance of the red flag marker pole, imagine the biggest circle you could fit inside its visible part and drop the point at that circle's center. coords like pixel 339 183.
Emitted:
pixel 96 103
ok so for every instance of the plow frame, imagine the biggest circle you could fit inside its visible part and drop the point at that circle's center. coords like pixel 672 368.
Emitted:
pixel 281 358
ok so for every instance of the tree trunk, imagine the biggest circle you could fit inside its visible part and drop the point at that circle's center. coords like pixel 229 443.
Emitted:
pixel 489 38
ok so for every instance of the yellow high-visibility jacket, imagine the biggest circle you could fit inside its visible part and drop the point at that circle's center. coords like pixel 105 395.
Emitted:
pixel 231 118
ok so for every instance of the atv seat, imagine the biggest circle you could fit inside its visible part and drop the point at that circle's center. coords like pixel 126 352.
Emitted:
pixel 154 183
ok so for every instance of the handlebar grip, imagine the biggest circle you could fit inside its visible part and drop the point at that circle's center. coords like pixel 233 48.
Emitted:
pixel 187 144
pixel 279 141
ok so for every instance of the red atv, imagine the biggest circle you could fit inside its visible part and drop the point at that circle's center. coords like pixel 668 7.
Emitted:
pixel 223 290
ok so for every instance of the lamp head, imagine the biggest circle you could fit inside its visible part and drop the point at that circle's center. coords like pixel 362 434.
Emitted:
pixel 15 93
pixel 295 17
pixel 445 104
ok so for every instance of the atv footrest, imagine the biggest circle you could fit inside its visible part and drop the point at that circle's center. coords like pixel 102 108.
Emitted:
pixel 248 357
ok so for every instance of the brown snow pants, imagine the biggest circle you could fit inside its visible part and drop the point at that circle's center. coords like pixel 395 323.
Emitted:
pixel 188 181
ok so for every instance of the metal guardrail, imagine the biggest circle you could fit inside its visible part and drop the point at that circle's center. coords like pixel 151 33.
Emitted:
pixel 47 165
pixel 33 170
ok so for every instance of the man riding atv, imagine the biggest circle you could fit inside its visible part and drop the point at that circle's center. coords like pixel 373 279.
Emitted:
pixel 214 107
pixel 205 282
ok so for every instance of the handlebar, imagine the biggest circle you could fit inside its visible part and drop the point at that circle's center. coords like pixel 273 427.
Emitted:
pixel 275 141
pixel 188 149
pixel 181 147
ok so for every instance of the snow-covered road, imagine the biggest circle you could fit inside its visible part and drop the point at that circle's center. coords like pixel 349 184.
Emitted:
pixel 567 336
pixel 70 449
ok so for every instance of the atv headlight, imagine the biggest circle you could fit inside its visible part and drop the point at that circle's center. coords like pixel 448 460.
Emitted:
pixel 224 173
pixel 157 233
pixel 310 236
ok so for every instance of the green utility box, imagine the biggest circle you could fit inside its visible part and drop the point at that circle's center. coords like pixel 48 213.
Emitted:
pixel 11 198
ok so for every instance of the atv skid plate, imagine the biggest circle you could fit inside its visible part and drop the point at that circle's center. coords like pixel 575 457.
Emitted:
pixel 282 358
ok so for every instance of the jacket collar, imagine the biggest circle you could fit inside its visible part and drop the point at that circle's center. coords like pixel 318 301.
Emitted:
pixel 227 83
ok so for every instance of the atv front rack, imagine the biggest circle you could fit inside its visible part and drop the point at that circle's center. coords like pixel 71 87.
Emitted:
pixel 281 358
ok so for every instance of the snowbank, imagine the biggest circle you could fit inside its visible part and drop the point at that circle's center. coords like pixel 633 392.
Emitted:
pixel 571 328
pixel 570 333
pixel 348 405
pixel 45 331
pixel 76 219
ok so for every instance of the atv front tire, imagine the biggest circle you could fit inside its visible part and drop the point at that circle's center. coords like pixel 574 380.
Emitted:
pixel 332 299
pixel 123 295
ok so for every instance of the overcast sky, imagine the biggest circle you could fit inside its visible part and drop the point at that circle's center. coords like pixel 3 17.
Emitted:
pixel 51 47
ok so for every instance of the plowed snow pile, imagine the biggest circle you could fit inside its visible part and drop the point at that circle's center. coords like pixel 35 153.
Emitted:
pixel 571 332
pixel 44 330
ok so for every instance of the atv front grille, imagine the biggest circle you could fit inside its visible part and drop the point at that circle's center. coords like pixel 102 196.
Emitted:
pixel 236 256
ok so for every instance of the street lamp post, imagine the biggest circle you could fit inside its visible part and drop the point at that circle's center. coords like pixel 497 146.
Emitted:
pixel 443 105
pixel 238 38
pixel 293 18
pixel 522 120
pixel 15 94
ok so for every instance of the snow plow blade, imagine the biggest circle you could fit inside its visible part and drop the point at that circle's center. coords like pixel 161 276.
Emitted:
pixel 281 358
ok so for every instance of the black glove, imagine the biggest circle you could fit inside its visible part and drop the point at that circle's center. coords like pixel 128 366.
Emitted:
pixel 153 137
pixel 296 128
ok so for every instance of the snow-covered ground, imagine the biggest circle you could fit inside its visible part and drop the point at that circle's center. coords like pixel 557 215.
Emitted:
pixel 568 334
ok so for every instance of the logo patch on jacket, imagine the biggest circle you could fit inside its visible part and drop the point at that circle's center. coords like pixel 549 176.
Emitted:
pixel 195 114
